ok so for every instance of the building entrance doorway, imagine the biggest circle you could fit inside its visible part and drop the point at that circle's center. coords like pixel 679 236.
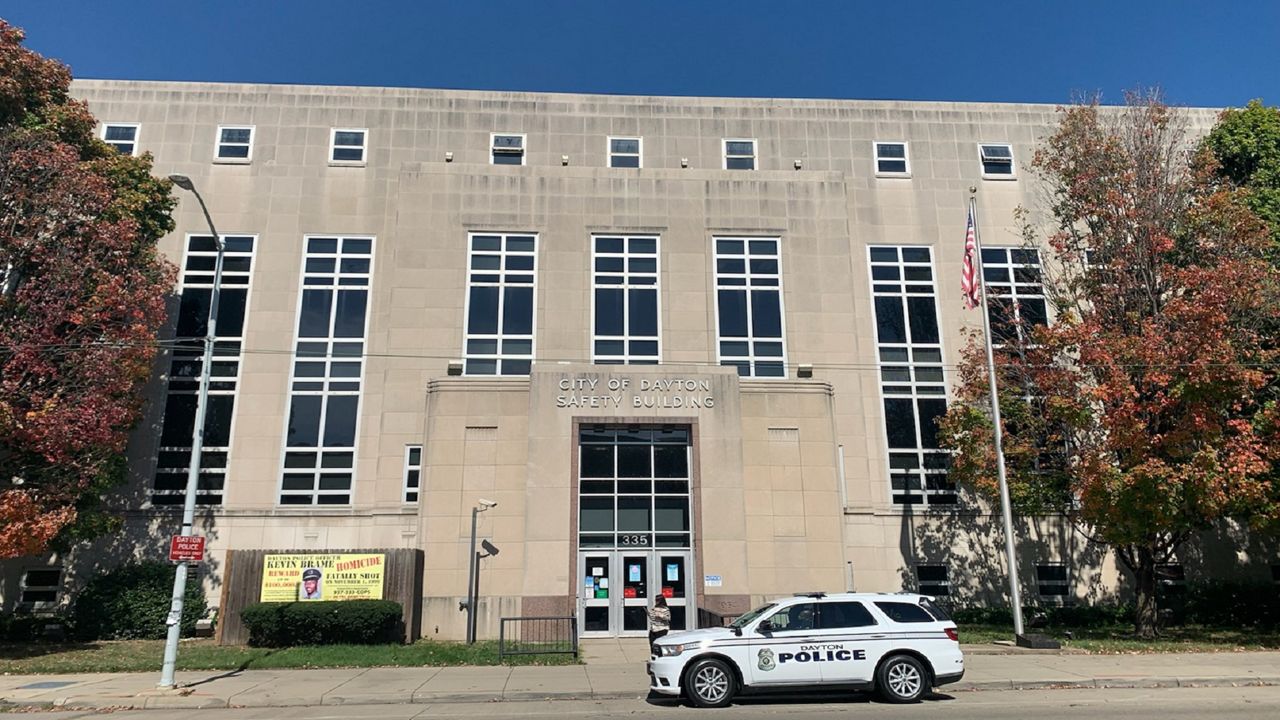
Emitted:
pixel 635 535
pixel 618 588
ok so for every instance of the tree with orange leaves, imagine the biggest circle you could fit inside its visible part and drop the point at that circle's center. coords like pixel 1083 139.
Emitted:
pixel 82 295
pixel 1140 412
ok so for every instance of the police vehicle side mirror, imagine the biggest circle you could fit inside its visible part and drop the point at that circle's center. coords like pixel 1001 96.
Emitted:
pixel 764 628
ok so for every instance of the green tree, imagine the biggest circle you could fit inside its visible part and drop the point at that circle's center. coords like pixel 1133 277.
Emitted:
pixel 1246 144
pixel 82 296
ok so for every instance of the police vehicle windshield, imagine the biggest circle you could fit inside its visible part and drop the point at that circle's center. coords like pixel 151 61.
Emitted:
pixel 744 620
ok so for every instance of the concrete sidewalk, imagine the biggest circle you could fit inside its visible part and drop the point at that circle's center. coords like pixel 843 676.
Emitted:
pixel 609 674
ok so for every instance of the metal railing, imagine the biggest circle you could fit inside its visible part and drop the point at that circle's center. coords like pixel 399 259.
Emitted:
pixel 538 636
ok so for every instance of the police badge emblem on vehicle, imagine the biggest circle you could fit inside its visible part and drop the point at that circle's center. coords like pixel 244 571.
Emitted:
pixel 765 660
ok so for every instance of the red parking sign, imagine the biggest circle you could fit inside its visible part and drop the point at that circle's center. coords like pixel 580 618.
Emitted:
pixel 186 548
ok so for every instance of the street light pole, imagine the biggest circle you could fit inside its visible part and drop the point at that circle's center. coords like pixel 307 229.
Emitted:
pixel 174 619
pixel 472 561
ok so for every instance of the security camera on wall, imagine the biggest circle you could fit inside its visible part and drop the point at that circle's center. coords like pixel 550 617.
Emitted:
pixel 489 503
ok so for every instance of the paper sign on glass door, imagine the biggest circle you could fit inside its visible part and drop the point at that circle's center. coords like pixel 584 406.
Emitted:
pixel 673 571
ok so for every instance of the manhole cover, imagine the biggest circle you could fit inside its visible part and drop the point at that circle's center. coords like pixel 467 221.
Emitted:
pixel 47 685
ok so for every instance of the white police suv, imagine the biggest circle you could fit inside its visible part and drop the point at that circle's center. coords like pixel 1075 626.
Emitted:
pixel 901 645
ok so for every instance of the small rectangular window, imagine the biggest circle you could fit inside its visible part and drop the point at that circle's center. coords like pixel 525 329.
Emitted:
pixel 122 136
pixel 739 154
pixel 835 615
pixel 891 160
pixel 507 149
pixel 347 145
pixel 412 472
pixel 997 161
pixel 1275 574
pixel 235 144
pixel 40 587
pixel 1051 581
pixel 904 612
pixel 933 580
pixel 624 152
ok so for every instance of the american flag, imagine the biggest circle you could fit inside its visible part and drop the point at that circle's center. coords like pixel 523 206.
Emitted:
pixel 969 283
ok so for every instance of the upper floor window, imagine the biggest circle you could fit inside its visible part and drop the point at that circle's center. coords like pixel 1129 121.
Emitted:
pixel 412 472
pixel 500 300
pixel 122 136
pixel 739 154
pixel 997 160
pixel 749 306
pixel 235 144
pixel 40 587
pixel 624 152
pixel 625 300
pixel 506 149
pixel 347 146
pixel 891 159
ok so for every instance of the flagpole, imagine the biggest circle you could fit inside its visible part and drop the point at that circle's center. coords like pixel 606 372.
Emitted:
pixel 1015 596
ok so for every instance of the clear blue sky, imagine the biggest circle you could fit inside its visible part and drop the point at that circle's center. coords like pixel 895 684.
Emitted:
pixel 1205 53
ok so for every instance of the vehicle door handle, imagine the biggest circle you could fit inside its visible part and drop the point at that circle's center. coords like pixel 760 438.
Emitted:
pixel 877 637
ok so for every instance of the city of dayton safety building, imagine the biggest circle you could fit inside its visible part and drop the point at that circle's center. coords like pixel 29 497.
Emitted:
pixel 693 347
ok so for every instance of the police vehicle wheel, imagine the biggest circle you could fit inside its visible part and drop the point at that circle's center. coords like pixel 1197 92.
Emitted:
pixel 710 683
pixel 902 679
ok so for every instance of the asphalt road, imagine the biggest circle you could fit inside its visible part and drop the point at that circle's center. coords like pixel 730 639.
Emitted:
pixel 1242 703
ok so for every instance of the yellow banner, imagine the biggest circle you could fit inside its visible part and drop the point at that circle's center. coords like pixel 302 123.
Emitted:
pixel 286 578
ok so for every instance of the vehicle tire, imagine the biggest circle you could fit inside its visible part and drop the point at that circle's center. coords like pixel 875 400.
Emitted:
pixel 710 683
pixel 902 679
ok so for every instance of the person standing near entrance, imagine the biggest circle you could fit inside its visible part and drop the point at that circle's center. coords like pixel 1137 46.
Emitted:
pixel 659 618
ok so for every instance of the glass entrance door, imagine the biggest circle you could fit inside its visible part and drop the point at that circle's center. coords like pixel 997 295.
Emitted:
pixel 618 587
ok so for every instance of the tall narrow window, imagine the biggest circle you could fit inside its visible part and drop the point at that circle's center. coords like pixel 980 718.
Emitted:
pixel 347 146
pixel 739 154
pixel 412 472
pixel 624 152
pixel 506 149
pixel 633 487
pixel 122 136
pixel 329 353
pixel 235 144
pixel 500 304
pixel 891 159
pixel 749 306
pixel 1016 291
pixel 174 456
pixel 997 161
pixel 911 380
pixel 625 300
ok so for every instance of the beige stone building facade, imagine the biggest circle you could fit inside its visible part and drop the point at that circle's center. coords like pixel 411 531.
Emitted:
pixel 689 346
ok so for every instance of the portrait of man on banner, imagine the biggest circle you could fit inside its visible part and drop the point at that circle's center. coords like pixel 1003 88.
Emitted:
pixel 311 589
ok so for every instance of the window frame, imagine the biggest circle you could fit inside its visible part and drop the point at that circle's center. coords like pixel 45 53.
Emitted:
pixel 750 338
pixel 218 143
pixel 137 135
pixel 333 146
pixel 638 154
pixel 41 605
pixel 1064 584
pixel 652 536
pixel 1012 290
pixel 906 159
pixel 982 161
pixel 944 583
pixel 494 150
pixel 228 385
pixel 409 466
pixel 725 156
pixel 912 385
pixel 626 358
pixel 325 392
pixel 502 285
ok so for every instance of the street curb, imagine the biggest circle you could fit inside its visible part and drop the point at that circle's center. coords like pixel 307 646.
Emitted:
pixel 190 702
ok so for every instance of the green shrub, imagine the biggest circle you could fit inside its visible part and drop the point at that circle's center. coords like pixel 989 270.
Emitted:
pixel 326 622
pixel 132 602
pixel 1071 616
pixel 21 628
pixel 1230 604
